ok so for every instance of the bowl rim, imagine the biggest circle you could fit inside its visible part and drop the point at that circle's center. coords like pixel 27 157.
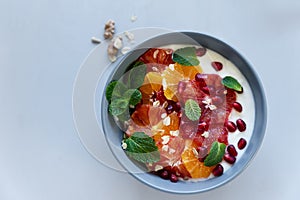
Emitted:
pixel 260 122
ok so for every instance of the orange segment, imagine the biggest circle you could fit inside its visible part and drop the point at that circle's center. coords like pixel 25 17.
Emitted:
pixel 173 74
pixel 152 83
pixel 196 168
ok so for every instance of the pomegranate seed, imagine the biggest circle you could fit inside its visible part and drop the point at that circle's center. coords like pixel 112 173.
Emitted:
pixel 217 65
pixel 231 150
pixel 177 107
pixel 169 109
pixel 231 126
pixel 164 174
pixel 229 158
pixel 205 89
pixel 200 51
pixel 173 178
pixel 241 125
pixel 242 143
pixel 218 170
pixel 203 126
pixel 237 106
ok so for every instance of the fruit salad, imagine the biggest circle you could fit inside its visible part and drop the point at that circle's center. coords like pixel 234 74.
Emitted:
pixel 181 109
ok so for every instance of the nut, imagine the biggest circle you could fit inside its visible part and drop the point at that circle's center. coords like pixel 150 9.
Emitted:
pixel 109 29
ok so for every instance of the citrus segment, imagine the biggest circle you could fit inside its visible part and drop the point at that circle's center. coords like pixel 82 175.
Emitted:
pixel 194 166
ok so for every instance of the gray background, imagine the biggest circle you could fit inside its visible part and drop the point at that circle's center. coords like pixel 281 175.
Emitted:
pixel 42 45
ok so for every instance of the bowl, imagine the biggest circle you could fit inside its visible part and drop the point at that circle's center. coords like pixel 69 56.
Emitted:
pixel 114 135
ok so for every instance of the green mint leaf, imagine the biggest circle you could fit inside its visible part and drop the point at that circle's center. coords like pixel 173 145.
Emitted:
pixel 215 155
pixel 115 89
pixel 186 56
pixel 232 83
pixel 137 75
pixel 134 96
pixel 118 106
pixel 142 148
pixel 192 110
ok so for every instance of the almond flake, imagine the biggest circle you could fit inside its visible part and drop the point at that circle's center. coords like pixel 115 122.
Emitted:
pixel 171 150
pixel 118 42
pixel 158 167
pixel 171 66
pixel 165 147
pixel 165 139
pixel 167 121
pixel 195 152
pixel 164 115
pixel 164 83
pixel 125 50
pixel 155 69
pixel 124 145
pixel 133 18
pixel 156 103
pixel 174 133
pixel 129 35
pixel 205 134
pixel 155 53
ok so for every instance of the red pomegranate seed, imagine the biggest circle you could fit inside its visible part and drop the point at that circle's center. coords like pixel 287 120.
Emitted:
pixel 241 125
pixel 231 150
pixel 229 158
pixel 217 65
pixel 173 178
pixel 237 106
pixel 169 108
pixel 242 143
pixel 205 90
pixel 164 174
pixel 200 78
pixel 203 126
pixel 230 126
pixel 202 153
pixel 200 51
pixel 218 170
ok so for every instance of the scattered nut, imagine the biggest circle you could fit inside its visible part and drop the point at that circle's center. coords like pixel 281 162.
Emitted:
pixel 112 52
pixel 118 43
pixel 95 40
pixel 125 50
pixel 129 35
pixel 133 18
pixel 109 29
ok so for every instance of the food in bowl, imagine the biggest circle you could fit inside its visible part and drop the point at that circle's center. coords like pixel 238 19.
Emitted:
pixel 186 112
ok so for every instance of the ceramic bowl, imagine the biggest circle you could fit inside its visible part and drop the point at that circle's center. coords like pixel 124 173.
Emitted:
pixel 114 135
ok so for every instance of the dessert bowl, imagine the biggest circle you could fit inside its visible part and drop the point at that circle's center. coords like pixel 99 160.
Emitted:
pixel 243 117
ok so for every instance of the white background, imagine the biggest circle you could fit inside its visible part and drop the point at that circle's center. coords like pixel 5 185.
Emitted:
pixel 42 45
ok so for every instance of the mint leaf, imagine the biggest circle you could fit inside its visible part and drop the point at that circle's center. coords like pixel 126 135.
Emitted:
pixel 142 148
pixel 192 110
pixel 118 106
pixel 186 56
pixel 134 96
pixel 232 83
pixel 215 155
pixel 136 75
pixel 115 89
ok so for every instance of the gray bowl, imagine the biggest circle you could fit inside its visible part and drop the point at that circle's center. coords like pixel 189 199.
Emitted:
pixel 114 135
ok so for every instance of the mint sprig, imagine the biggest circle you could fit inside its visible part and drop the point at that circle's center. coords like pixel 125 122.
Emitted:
pixel 192 110
pixel 215 155
pixel 186 56
pixel 232 83
pixel 142 148
pixel 120 96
